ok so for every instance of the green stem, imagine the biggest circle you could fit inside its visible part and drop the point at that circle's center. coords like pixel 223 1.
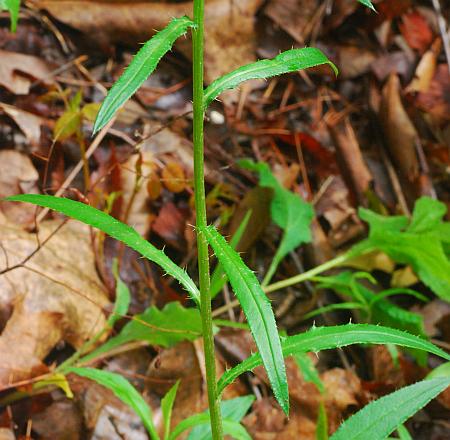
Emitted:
pixel 341 259
pixel 200 210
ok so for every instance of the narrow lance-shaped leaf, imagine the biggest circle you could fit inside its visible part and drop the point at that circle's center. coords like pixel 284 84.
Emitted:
pixel 116 229
pixel 379 418
pixel 367 3
pixel 326 338
pixel 142 65
pixel 289 61
pixel 258 312
pixel 125 392
pixel 166 406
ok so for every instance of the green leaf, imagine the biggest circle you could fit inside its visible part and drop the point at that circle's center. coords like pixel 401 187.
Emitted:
pixel 258 312
pixel 116 229
pixel 164 328
pixel 236 430
pixel 308 370
pixel 322 423
pixel 123 297
pixel 219 278
pixel 367 3
pixel 124 391
pixel 232 409
pixel 403 433
pixel 325 338
pixel 289 211
pixel 13 7
pixel 289 61
pixel 418 244
pixel 166 406
pixel 142 65
pixel 441 371
pixel 379 418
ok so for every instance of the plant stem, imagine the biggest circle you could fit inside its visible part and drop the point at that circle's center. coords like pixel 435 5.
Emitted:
pixel 310 273
pixel 200 210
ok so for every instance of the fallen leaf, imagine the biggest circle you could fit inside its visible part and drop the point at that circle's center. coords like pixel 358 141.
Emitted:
pixel 17 71
pixel 425 70
pixel 435 100
pixel 293 16
pixel 170 224
pixel 173 177
pixel 354 61
pixel 7 434
pixel 416 31
pixel 17 175
pixel 56 297
pixel 399 130
pixel 29 123
pixel 229 28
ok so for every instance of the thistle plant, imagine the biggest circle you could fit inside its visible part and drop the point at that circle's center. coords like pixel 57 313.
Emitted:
pixel 375 421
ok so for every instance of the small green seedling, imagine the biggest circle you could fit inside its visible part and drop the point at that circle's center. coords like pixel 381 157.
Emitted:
pixel 377 420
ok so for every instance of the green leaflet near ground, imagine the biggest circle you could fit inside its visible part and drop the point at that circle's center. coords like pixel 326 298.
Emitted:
pixel 379 418
pixel 114 228
pixel 420 243
pixel 164 328
pixel 326 338
pixel 13 7
pixel 289 61
pixel 167 406
pixel 258 312
pixel 142 65
pixel 288 210
pixel 232 409
pixel 124 391
pixel 123 297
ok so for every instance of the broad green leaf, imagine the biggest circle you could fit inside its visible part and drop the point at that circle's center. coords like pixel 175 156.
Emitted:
pixel 13 7
pixel 419 244
pixel 325 338
pixel 166 406
pixel 289 61
pixel 232 409
pixel 123 297
pixel 308 370
pixel 116 229
pixel 142 65
pixel 289 211
pixel 379 418
pixel 367 3
pixel 219 278
pixel 124 391
pixel 164 328
pixel 258 312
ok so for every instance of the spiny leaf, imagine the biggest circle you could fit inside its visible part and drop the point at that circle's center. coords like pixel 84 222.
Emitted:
pixel 116 229
pixel 258 312
pixel 124 391
pixel 289 61
pixel 142 65
pixel 325 338
pixel 379 418
pixel 367 3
